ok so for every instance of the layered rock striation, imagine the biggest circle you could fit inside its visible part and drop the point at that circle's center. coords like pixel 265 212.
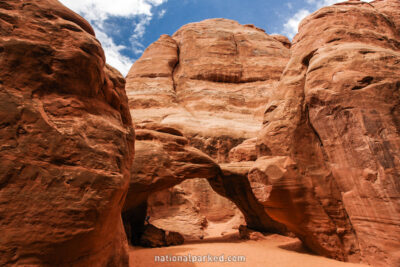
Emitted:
pixel 210 80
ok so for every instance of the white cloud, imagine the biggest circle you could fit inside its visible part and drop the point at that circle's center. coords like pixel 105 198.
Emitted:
pixel 98 11
pixel 140 27
pixel 290 28
pixel 113 53
pixel 123 8
pixel 162 13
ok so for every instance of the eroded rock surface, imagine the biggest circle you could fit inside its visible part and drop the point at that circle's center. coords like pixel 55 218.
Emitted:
pixel 66 141
pixel 163 159
pixel 194 209
pixel 210 80
pixel 329 166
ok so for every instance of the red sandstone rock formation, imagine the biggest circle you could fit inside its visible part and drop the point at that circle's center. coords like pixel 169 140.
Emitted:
pixel 329 164
pixel 246 151
pixel 389 8
pixel 211 81
pixel 195 210
pixel 66 141
pixel 154 237
pixel 163 159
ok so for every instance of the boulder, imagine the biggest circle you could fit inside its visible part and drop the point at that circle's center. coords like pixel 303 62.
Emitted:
pixel 155 237
pixel 194 209
pixel 245 151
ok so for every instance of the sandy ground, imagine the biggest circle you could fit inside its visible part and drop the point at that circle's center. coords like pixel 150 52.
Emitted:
pixel 273 250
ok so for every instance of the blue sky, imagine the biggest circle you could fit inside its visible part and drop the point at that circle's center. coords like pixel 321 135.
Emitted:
pixel 126 27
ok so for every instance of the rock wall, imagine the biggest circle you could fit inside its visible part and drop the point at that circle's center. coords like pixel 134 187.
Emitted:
pixel 216 74
pixel 66 141
pixel 210 80
pixel 195 210
pixel 329 164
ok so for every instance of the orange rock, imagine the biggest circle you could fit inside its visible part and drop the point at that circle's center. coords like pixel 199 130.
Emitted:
pixel 330 143
pixel 164 159
pixel 210 80
pixel 66 140
pixel 390 8
pixel 194 209
pixel 283 39
pixel 246 151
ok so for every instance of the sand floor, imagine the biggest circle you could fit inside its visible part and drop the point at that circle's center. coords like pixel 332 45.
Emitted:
pixel 273 250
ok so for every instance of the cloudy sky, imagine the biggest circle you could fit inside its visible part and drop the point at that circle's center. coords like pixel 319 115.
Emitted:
pixel 126 27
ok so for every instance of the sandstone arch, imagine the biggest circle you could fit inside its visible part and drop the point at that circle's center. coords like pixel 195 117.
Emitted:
pixel 164 159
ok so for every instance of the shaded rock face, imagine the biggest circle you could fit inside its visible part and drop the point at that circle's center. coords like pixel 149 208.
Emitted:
pixel 329 165
pixel 164 159
pixel 154 237
pixel 66 141
pixel 389 8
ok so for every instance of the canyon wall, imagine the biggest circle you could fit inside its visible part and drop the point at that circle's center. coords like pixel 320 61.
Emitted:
pixel 329 151
pixel 66 141
pixel 325 163
pixel 300 137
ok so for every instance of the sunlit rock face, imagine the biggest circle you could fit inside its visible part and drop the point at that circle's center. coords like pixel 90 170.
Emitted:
pixel 66 141
pixel 210 80
pixel 195 210
pixel 329 151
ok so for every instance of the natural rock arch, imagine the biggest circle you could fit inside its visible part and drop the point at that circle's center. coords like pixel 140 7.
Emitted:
pixel 163 159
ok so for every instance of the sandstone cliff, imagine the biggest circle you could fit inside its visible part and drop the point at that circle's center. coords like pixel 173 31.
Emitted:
pixel 329 166
pixel 66 141
pixel 210 80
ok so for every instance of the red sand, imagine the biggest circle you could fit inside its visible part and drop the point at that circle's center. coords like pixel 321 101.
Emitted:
pixel 274 250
